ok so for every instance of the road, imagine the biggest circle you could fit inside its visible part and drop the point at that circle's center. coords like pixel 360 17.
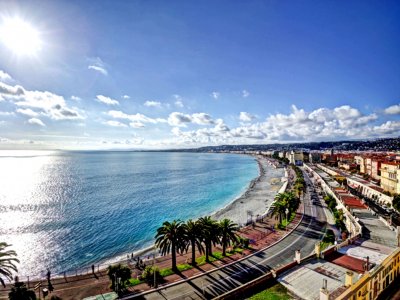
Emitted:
pixel 209 285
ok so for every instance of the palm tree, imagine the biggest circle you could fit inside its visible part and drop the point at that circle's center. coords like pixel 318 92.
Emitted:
pixel 192 236
pixel 292 201
pixel 19 291
pixel 169 238
pixel 299 188
pixel 118 272
pixel 228 233
pixel 7 263
pixel 278 209
pixel 210 234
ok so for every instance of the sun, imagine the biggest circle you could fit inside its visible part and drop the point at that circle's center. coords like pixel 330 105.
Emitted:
pixel 20 37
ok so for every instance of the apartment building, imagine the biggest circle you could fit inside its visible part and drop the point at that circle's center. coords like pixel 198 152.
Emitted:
pixel 376 168
pixel 296 158
pixel 390 176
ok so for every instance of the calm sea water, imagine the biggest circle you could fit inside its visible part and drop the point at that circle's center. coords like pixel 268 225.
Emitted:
pixel 66 210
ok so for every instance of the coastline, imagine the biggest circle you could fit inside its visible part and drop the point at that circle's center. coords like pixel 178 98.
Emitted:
pixel 257 198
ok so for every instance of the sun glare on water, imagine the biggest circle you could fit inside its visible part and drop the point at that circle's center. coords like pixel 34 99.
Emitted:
pixel 19 36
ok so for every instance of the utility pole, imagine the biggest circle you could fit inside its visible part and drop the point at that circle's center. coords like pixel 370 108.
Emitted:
pixel 154 267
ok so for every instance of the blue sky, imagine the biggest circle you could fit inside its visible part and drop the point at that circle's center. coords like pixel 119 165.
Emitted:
pixel 166 74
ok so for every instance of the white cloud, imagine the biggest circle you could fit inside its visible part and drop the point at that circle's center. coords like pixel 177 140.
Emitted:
pixel 126 97
pixel 36 121
pixel 6 113
pixel 151 103
pixel 299 125
pixel 245 94
pixel 388 128
pixel 136 124
pixel 97 65
pixel 4 76
pixel 52 105
pixel 9 90
pixel 115 124
pixel 202 119
pixel 179 119
pixel 76 98
pixel 179 103
pixel 98 69
pixel 49 104
pixel 246 117
pixel 393 110
pixel 136 120
pixel 106 100
pixel 27 112
pixel 215 95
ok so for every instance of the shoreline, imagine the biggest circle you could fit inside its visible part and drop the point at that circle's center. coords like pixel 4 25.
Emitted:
pixel 256 197
pixel 252 199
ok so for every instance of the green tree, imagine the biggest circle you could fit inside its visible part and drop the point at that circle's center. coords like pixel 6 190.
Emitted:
pixel 278 209
pixel 210 234
pixel 192 237
pixel 148 275
pixel 119 273
pixel 299 188
pixel 19 291
pixel 396 202
pixel 330 201
pixel 169 238
pixel 7 263
pixel 228 231
pixel 292 201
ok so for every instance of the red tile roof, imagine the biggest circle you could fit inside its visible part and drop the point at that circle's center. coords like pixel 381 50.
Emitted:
pixel 352 202
pixel 346 261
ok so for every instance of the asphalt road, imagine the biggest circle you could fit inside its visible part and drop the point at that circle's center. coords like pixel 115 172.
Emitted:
pixel 210 285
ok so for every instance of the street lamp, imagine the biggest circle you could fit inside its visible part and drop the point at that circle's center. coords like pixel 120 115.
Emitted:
pixel 154 267
pixel 286 212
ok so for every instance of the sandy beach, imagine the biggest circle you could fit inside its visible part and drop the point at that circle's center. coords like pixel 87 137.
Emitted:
pixel 258 197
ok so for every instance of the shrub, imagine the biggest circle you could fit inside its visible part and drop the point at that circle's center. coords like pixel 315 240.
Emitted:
pixel 329 236
pixel 148 275
pixel 118 271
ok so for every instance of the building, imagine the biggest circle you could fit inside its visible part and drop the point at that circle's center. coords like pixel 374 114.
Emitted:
pixel 390 177
pixel 282 154
pixel 376 168
pixel 296 158
pixel 314 157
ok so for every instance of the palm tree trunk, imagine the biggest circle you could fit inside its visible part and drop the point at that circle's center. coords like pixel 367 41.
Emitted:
pixel 193 252
pixel 224 245
pixel 207 251
pixel 174 268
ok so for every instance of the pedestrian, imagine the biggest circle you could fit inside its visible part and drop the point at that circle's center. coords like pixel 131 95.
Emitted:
pixel 93 269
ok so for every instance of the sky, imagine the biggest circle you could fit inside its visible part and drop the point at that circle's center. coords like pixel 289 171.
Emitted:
pixel 181 74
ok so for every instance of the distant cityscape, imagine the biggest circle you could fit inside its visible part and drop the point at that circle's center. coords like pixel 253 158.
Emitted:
pixel 380 145
pixel 377 161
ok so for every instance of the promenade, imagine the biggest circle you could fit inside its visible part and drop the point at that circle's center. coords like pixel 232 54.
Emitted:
pixel 302 235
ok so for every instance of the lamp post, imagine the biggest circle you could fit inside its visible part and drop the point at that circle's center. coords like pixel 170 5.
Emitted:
pixel 154 267
pixel 286 212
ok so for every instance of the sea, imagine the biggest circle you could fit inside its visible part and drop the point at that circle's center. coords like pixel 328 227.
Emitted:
pixel 67 210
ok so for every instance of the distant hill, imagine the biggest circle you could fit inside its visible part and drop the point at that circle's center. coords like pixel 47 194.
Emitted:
pixel 384 144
